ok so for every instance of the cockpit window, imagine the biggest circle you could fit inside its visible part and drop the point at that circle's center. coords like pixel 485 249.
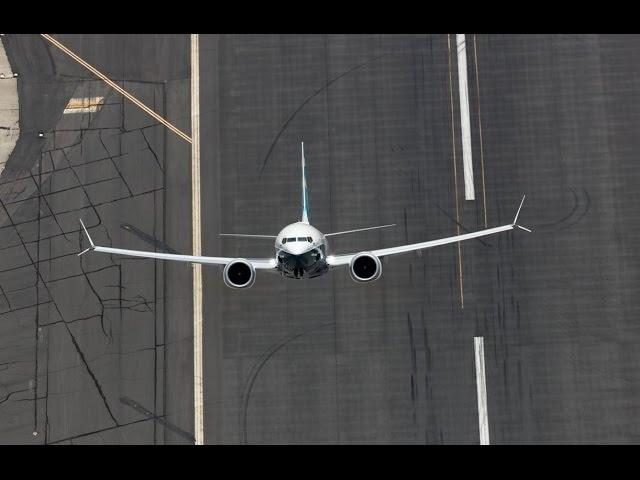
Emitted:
pixel 298 239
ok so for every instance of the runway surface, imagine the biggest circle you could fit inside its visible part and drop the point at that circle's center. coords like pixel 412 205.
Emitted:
pixel 98 349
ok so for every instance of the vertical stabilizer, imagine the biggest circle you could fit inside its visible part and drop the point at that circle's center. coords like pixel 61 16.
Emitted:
pixel 305 196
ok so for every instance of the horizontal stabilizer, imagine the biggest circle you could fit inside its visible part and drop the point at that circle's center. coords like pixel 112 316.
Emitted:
pixel 245 235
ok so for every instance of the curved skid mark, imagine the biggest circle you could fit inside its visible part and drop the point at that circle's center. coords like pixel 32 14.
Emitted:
pixel 572 217
pixel 257 367
pixel 303 104
pixel 587 206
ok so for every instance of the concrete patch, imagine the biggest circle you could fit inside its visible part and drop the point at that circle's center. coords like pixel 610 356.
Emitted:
pixel 84 105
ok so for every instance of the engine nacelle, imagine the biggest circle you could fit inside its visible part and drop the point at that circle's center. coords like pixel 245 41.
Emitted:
pixel 239 274
pixel 365 267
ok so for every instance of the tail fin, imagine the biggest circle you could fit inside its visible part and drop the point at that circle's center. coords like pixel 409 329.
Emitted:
pixel 305 196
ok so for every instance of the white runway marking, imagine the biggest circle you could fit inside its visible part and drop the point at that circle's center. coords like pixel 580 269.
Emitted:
pixel 198 391
pixel 481 385
pixel 469 190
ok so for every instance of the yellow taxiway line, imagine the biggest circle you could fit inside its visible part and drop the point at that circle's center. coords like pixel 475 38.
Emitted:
pixel 117 88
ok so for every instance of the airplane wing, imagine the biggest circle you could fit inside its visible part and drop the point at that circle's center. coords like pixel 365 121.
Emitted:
pixel 335 260
pixel 258 263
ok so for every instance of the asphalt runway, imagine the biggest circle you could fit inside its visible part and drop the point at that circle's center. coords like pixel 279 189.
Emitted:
pixel 99 349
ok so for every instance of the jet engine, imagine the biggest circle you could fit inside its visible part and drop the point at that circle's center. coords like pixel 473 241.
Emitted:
pixel 365 267
pixel 239 274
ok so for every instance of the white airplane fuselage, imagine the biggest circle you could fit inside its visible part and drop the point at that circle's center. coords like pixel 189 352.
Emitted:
pixel 301 251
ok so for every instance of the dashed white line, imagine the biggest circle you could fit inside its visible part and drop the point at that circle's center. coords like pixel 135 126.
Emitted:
pixel 198 391
pixel 469 190
pixel 481 386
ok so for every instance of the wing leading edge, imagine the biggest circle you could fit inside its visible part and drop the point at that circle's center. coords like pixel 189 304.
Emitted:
pixel 258 263
pixel 335 260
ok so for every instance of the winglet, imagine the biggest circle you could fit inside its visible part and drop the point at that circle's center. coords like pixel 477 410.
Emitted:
pixel 515 220
pixel 89 237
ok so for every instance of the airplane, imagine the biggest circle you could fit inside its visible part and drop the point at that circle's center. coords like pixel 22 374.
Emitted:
pixel 302 251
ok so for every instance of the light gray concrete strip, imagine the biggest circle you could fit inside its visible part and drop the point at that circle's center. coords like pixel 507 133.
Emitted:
pixel 9 113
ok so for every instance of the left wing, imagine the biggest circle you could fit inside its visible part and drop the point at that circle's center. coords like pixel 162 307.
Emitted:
pixel 335 260
pixel 258 263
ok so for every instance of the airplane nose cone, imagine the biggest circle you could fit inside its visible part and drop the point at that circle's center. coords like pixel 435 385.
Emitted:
pixel 298 248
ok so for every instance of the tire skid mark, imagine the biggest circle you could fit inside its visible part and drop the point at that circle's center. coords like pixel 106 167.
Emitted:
pixel 414 369
pixel 581 206
pixel 306 101
pixel 160 419
pixel 257 367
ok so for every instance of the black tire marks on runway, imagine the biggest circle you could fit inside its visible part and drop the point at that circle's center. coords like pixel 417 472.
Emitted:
pixel 307 100
pixel 257 368
pixel 414 369
pixel 581 206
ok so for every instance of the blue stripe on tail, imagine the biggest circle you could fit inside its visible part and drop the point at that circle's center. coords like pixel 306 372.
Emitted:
pixel 305 195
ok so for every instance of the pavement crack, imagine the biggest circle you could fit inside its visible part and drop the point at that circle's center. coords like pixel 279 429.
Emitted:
pixel 10 394
pixel 114 163
pixel 101 430
pixel 97 295
pixel 151 150
pixel 93 377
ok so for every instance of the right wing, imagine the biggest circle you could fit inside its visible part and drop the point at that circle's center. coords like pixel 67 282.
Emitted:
pixel 258 263
pixel 335 260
